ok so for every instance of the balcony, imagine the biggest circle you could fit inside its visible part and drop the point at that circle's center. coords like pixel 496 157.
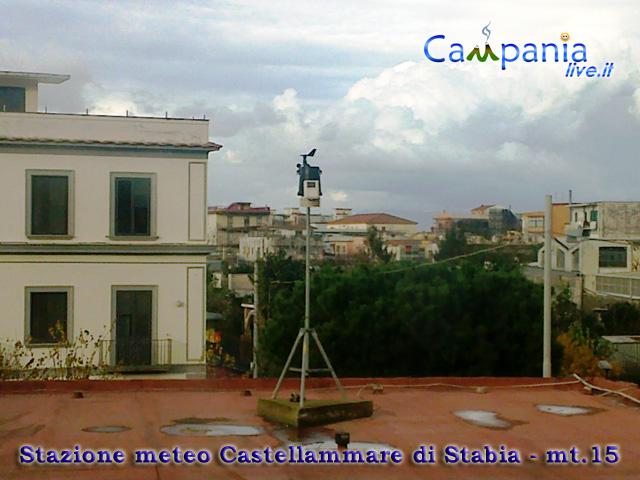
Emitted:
pixel 619 286
pixel 135 355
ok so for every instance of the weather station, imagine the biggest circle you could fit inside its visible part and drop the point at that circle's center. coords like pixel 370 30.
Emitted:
pixel 298 410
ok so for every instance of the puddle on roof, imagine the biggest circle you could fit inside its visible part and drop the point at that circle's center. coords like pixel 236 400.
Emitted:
pixel 566 410
pixel 484 418
pixel 106 429
pixel 210 430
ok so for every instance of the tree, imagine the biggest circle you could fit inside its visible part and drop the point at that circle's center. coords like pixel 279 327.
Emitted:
pixel 452 245
pixel 376 249
pixel 450 319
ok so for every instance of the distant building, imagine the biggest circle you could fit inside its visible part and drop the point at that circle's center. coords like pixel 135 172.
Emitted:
pixel 288 239
pixel 339 213
pixel 481 211
pixel 343 245
pixel 604 220
pixel 602 245
pixel 502 220
pixel 296 216
pixel 533 223
pixel 227 225
pixel 389 225
pixel 406 249
pixel 477 224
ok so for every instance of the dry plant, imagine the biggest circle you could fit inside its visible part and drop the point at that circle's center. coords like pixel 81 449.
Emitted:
pixel 60 360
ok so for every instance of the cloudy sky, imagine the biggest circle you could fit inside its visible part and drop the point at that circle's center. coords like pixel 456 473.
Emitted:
pixel 394 132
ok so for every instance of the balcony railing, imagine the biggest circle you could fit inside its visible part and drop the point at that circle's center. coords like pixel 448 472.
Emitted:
pixel 628 287
pixel 136 354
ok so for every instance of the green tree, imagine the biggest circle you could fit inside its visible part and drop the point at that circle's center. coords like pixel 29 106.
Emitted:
pixel 458 318
pixel 376 249
pixel 452 245
pixel 223 301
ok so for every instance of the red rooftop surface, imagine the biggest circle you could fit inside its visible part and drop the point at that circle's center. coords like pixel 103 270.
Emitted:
pixel 408 413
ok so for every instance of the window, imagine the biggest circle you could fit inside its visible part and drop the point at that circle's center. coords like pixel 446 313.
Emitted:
pixel 576 260
pixel 133 205
pixel 48 315
pixel 593 216
pixel 536 222
pixel 49 203
pixel 12 99
pixel 612 257
pixel 246 221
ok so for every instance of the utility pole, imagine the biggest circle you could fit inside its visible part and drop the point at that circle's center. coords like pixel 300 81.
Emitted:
pixel 256 323
pixel 546 345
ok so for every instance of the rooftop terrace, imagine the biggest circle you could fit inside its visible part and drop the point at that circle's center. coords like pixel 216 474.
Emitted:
pixel 164 414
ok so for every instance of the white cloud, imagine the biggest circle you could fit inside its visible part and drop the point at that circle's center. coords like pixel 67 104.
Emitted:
pixel 393 131
pixel 339 196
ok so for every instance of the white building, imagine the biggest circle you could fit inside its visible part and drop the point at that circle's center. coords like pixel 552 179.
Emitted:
pixel 288 239
pixel 604 220
pixel 603 246
pixel 227 225
pixel 103 229
pixel 388 225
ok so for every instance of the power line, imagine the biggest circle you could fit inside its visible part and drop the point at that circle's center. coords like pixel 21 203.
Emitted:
pixel 450 259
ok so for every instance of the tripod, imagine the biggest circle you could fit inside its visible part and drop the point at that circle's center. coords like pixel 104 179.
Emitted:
pixel 304 333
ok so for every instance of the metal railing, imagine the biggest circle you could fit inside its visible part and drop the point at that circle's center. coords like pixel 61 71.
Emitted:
pixel 628 287
pixel 135 354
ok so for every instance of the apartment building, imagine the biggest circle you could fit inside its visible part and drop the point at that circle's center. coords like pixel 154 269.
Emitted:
pixel 604 220
pixel 533 223
pixel 103 230
pixel 282 238
pixel 389 225
pixel 602 244
pixel 227 225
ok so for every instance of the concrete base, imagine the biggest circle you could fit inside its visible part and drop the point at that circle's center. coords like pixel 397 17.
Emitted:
pixel 315 412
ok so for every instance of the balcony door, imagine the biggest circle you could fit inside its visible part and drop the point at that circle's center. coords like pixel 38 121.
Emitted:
pixel 134 312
